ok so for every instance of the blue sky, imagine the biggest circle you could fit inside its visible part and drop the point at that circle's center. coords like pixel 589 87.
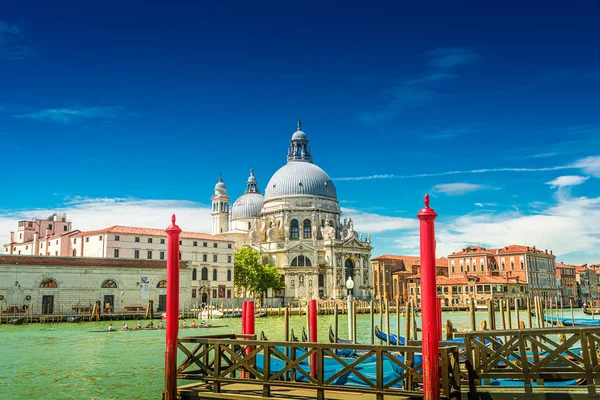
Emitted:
pixel 120 113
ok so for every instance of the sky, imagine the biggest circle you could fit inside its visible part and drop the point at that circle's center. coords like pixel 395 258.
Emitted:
pixel 125 112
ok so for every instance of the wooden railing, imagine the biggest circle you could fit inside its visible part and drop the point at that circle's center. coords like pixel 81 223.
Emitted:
pixel 223 359
pixel 533 355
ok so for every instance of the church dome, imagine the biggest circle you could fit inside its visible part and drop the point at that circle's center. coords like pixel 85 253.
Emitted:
pixel 300 176
pixel 250 203
pixel 247 206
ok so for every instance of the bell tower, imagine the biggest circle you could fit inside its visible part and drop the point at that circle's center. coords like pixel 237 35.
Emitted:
pixel 220 208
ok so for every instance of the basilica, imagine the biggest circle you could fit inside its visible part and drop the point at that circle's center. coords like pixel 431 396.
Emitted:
pixel 297 226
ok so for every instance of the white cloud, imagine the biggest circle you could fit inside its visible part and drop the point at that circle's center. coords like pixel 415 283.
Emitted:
pixel 90 214
pixel 376 223
pixel 479 204
pixel 69 115
pixel 457 188
pixel 590 165
pixel 567 181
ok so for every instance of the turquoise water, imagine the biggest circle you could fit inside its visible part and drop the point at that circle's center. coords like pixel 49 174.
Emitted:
pixel 67 361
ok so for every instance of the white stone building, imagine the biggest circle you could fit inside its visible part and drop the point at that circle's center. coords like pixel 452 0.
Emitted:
pixel 297 227
pixel 66 284
pixel 210 257
pixel 46 237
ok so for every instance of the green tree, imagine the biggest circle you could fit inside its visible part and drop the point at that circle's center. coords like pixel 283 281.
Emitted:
pixel 251 276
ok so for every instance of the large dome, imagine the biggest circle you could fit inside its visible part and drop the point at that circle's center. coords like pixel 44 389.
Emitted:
pixel 247 206
pixel 300 178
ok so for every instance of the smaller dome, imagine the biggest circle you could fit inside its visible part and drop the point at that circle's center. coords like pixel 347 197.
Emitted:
pixel 299 135
pixel 248 205
pixel 220 187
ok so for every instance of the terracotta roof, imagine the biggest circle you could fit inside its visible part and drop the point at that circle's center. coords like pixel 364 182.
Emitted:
pixel 456 280
pixel 411 260
pixel 516 248
pixel 473 250
pixel 416 276
pixel 564 266
pixel 441 262
pixel 152 232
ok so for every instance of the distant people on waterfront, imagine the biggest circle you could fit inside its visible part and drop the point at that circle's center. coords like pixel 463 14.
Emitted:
pixel 193 323
pixel 107 307
pixel 110 327
pixel 125 327
pixel 160 325
pixel 138 325
pixel 183 324
pixel 150 325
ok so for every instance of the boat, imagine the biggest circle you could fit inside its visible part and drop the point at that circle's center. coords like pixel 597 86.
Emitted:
pixel 590 311
pixel 332 338
pixel 384 337
pixel 76 318
pixel 261 314
pixel 206 314
pixel 17 321
pixel 234 314
pixel 263 336
pixel 293 337
pixel 304 335
pixel 574 321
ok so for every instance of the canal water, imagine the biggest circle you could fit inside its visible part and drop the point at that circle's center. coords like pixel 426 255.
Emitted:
pixel 70 361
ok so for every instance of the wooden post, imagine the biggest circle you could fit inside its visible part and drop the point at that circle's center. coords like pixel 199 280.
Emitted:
pixel 508 314
pixel 483 325
pixel 335 321
pixel 491 314
pixel 517 307
pixel 414 321
pixel 372 315
pixel 398 319
pixel 354 340
pixel 529 318
pixel 473 317
pixel 407 329
pixel 572 315
pixel 449 330
pixel 387 321
pixel 502 314
pixel 286 324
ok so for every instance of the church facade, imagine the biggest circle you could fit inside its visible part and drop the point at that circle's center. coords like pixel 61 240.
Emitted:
pixel 297 226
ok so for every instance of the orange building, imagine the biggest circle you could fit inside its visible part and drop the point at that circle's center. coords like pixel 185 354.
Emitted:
pixel 390 272
pixel 568 283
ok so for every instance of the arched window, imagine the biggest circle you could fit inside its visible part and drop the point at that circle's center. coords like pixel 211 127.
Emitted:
pixel 74 252
pixel 194 274
pixel 306 229
pixel 109 284
pixel 48 283
pixel 294 229
pixel 228 275
pixel 162 284
pixel 204 275
pixel 214 274
pixel 301 261
pixel 321 280
pixel 249 226
pixel 349 268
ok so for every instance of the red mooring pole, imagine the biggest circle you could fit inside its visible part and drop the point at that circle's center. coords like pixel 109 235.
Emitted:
pixel 244 326
pixel 250 328
pixel 429 304
pixel 173 231
pixel 313 335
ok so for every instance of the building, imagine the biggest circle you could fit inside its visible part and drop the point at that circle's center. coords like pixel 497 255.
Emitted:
pixel 568 283
pixel 457 291
pixel 209 257
pixel 67 284
pixel 47 237
pixel 297 226
pixel 535 267
pixel 587 283
pixel 390 273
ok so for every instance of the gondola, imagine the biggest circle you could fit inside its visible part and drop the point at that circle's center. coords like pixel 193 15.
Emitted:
pixel 393 338
pixel 304 335
pixel 589 311
pixel 230 314
pixel 261 314
pixel 263 336
pixel 332 338
pixel 293 337
pixel 17 321
pixel 74 319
